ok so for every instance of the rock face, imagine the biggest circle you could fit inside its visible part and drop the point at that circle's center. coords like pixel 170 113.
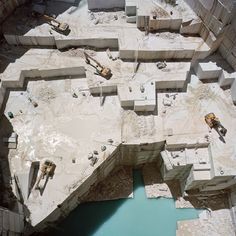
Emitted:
pixel 7 7
pixel 119 184
pixel 218 16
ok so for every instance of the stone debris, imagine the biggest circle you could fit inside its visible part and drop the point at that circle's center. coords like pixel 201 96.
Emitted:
pixel 103 17
pixel 93 161
pixel 90 156
pixel 167 102
pixel 95 152
pixel 161 65
pixel 46 94
pixel 74 95
pixel 118 185
pixel 167 35
pixel 159 12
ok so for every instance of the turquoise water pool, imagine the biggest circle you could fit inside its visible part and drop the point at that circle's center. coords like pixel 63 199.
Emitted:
pixel 127 217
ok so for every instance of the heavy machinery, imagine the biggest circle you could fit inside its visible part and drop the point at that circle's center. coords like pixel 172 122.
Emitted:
pixel 213 122
pixel 60 27
pixel 101 70
pixel 38 11
pixel 47 170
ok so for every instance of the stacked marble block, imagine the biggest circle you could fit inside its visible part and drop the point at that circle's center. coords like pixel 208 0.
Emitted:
pixel 138 97
pixel 130 11
pixel 170 23
pixel 206 71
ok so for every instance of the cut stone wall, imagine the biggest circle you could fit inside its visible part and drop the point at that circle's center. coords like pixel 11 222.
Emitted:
pixel 105 4
pixel 97 42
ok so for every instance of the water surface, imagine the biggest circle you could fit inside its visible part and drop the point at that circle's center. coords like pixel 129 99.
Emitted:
pixel 126 217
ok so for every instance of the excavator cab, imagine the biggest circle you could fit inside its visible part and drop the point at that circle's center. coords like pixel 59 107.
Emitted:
pixel 214 122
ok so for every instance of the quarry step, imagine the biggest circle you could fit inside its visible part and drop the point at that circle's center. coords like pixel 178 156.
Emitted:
pixel 160 46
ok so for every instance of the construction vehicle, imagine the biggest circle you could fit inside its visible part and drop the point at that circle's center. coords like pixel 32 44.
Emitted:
pixel 47 170
pixel 101 70
pixel 60 27
pixel 214 122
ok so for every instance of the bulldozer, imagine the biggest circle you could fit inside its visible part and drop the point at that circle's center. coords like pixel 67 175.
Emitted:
pixel 47 170
pixel 214 123
pixel 101 70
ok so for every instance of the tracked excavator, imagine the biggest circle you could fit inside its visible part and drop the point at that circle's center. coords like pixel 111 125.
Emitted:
pixel 214 123
pixel 101 70
pixel 47 170
pixel 60 27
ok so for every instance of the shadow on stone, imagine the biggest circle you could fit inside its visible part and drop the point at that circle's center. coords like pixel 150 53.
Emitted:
pixel 85 220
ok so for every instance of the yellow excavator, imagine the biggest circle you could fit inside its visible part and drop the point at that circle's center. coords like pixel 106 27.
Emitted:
pixel 47 170
pixel 60 27
pixel 101 70
pixel 214 123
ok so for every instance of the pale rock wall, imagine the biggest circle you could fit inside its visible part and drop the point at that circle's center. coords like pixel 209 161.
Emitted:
pixel 220 24
pixel 228 46
pixel 11 223
pixel 105 4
